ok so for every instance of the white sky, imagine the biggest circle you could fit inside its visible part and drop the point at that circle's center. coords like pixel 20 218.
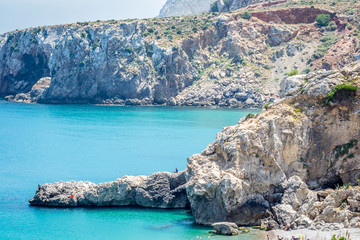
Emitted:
pixel 19 14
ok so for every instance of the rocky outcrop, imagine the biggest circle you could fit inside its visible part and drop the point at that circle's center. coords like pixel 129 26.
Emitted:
pixel 160 190
pixel 34 94
pixel 263 167
pixel 324 210
pixel 207 60
pixel 184 7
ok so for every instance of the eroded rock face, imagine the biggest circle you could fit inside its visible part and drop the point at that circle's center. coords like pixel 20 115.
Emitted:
pixel 263 166
pixel 160 190
pixel 291 15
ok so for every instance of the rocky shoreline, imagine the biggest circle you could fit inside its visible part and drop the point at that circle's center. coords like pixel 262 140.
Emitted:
pixel 311 234
pixel 295 164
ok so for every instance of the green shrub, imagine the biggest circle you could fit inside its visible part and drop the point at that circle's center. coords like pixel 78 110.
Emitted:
pixel 250 115
pixel 342 150
pixel 10 37
pixel 293 72
pixel 266 106
pixel 323 19
pixel 201 73
pixel 267 66
pixel 246 15
pixel 257 73
pixel 332 26
pixel 306 70
pixel 129 50
pixel 14 47
pixel 344 87
pixel 95 46
pixel 149 50
pixel 339 238
pixel 214 7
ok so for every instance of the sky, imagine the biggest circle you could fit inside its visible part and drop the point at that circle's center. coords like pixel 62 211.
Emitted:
pixel 20 14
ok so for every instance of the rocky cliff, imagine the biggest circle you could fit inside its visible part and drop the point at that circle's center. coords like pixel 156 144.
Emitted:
pixel 296 163
pixel 184 7
pixel 259 168
pixel 205 60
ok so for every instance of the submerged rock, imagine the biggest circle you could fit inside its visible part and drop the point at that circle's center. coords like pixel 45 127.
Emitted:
pixel 160 190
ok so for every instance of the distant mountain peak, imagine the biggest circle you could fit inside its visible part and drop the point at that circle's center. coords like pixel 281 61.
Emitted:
pixel 185 7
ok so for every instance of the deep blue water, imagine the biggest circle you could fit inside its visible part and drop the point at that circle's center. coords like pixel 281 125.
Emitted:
pixel 49 143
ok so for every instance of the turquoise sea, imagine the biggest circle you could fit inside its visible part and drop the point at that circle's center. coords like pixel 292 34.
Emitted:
pixel 49 143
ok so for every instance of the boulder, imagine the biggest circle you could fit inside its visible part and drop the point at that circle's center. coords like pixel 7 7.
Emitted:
pixel 284 214
pixel 278 35
pixel 226 228
pixel 290 86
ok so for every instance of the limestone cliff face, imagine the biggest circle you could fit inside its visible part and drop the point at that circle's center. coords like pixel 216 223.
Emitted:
pixel 208 60
pixel 91 64
pixel 184 7
pixel 258 168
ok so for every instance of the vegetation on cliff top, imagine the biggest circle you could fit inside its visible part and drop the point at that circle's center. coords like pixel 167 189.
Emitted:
pixel 344 89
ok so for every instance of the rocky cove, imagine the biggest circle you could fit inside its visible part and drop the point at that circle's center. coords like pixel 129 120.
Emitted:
pixel 295 163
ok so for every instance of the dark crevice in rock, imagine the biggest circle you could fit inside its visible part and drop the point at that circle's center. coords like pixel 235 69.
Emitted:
pixel 34 67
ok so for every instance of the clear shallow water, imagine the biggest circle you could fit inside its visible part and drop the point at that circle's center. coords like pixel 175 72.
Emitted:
pixel 49 143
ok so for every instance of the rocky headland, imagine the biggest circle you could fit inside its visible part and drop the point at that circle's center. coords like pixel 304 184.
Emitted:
pixel 160 190
pixel 213 59
pixel 296 164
